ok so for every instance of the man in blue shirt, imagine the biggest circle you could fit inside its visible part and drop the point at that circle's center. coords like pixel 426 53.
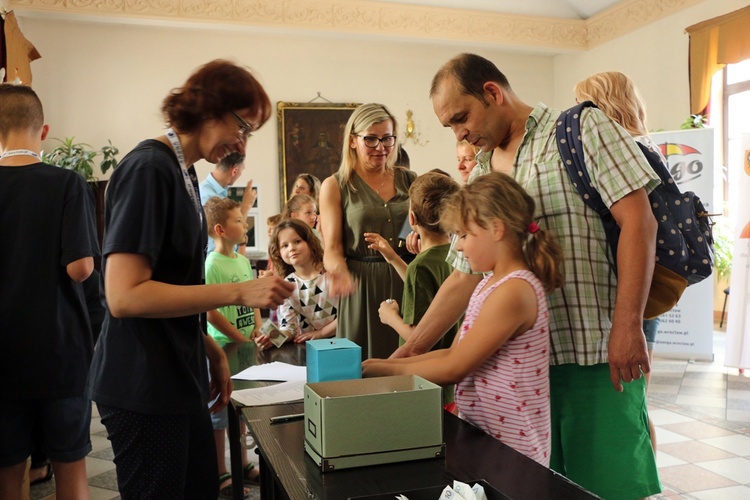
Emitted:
pixel 226 172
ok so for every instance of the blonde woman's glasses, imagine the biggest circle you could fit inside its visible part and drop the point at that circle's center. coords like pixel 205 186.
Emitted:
pixel 372 142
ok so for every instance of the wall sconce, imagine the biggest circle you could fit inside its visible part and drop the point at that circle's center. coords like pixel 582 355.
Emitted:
pixel 411 132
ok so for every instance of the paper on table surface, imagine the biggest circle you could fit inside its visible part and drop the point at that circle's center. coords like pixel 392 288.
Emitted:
pixel 276 371
pixel 285 392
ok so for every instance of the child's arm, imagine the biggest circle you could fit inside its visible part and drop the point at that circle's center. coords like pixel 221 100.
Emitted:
pixel 221 323
pixel 377 242
pixel 327 331
pixel 508 311
pixel 80 269
pixel 258 322
pixel 389 315
pixel 221 382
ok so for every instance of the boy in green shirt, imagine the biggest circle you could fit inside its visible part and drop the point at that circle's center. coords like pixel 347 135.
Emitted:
pixel 228 228
pixel 424 275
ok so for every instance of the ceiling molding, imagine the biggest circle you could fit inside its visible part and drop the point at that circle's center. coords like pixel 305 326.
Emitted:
pixel 373 18
pixel 630 15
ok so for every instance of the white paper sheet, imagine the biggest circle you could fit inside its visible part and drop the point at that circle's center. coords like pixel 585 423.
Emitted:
pixel 285 392
pixel 276 371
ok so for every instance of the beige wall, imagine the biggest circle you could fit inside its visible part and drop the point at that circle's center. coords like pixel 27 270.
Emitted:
pixel 655 57
pixel 100 81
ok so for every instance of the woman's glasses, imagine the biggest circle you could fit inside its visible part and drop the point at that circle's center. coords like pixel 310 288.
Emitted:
pixel 372 142
pixel 245 128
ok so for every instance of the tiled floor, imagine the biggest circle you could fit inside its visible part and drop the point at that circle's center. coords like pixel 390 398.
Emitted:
pixel 701 412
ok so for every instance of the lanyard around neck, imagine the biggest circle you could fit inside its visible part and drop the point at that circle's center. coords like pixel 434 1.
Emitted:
pixel 20 152
pixel 189 186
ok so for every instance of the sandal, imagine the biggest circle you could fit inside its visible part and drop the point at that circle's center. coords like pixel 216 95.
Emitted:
pixel 44 478
pixel 226 491
pixel 248 477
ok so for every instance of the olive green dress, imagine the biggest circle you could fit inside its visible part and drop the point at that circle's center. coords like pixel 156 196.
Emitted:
pixel 376 280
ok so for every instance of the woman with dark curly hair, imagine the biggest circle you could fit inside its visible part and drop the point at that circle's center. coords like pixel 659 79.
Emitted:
pixel 149 375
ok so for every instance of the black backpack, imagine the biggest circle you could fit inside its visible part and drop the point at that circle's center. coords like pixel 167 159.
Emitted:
pixel 684 239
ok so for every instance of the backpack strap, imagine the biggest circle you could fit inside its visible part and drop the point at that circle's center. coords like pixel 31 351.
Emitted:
pixel 570 145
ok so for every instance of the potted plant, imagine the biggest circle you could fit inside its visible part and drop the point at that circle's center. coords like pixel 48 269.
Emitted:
pixel 79 157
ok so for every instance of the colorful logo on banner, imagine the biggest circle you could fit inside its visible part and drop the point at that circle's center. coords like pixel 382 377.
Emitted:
pixel 682 169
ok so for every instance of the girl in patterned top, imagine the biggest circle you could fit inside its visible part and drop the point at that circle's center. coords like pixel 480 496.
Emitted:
pixel 499 361
pixel 310 312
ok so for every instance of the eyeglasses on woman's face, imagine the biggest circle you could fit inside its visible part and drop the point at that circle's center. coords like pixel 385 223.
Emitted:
pixel 372 141
pixel 245 128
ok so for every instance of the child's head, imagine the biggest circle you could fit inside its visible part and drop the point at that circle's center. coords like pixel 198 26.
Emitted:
pixel 427 194
pixel 615 94
pixel 302 207
pixel 307 184
pixel 293 243
pixel 272 222
pixel 497 196
pixel 22 110
pixel 225 220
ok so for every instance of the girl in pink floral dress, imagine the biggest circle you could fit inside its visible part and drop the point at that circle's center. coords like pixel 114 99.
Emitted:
pixel 500 359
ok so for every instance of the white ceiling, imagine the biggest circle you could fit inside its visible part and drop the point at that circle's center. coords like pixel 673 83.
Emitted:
pixel 562 9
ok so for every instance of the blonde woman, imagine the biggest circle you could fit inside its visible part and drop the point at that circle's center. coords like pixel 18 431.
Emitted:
pixel 367 195
pixel 616 95
pixel 466 155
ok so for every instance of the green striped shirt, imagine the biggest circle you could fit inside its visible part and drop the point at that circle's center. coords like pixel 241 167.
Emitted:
pixel 580 311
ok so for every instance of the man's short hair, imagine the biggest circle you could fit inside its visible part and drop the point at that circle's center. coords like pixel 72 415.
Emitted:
pixel 22 109
pixel 471 72
pixel 229 161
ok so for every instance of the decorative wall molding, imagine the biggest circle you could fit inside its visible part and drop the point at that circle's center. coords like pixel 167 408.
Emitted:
pixel 375 18
pixel 630 15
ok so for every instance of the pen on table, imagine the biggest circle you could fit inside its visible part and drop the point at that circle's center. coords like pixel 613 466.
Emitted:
pixel 287 418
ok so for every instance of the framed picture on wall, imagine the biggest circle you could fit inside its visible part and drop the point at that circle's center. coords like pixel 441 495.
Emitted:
pixel 311 137
pixel 253 238
pixel 237 192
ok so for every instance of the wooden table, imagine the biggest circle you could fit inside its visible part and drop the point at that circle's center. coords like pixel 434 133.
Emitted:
pixel 241 356
pixel 287 472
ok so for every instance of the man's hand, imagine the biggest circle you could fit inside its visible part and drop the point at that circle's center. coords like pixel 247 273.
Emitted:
pixel 248 198
pixel 267 293
pixel 628 356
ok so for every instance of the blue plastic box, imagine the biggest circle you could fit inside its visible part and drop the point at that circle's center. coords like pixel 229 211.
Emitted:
pixel 332 359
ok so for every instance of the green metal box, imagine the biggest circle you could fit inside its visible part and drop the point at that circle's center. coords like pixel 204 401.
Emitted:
pixel 359 422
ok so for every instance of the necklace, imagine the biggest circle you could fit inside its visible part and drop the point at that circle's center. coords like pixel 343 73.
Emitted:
pixel 382 183
pixel 20 152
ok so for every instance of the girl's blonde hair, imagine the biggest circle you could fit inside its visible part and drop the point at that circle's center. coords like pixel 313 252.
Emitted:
pixel 464 142
pixel 498 196
pixel 361 119
pixel 304 231
pixel 295 204
pixel 615 94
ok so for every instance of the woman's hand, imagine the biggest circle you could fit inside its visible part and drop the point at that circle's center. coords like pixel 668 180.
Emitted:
pixel 377 242
pixel 340 283
pixel 388 311
pixel 221 381
pixel 268 292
